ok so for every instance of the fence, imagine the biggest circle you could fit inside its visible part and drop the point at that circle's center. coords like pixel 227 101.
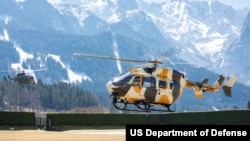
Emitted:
pixel 43 123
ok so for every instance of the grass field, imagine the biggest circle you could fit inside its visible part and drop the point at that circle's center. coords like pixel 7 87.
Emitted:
pixel 69 134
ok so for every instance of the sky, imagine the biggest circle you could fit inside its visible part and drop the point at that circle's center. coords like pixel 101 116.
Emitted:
pixel 235 3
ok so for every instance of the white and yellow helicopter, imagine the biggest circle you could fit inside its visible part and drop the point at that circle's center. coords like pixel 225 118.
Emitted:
pixel 145 87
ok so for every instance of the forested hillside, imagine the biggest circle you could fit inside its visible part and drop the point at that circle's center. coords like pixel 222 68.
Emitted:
pixel 44 97
pixel 201 39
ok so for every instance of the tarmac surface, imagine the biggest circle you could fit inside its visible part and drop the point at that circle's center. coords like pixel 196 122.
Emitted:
pixel 68 135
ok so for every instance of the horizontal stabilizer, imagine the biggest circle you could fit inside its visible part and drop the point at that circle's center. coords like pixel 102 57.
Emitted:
pixel 204 81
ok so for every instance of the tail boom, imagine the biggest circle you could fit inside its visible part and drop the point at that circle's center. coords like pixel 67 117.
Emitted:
pixel 200 87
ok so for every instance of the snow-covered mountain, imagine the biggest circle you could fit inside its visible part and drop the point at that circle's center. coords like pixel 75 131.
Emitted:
pixel 239 52
pixel 202 31
pixel 207 35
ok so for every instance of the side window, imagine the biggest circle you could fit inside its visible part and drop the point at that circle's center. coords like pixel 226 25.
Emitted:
pixel 136 81
pixel 177 85
pixel 174 84
pixel 163 84
pixel 171 85
pixel 148 82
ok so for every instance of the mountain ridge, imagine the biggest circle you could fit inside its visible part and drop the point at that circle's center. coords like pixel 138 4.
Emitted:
pixel 51 36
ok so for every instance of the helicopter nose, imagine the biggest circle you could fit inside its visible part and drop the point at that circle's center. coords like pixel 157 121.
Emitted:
pixel 110 86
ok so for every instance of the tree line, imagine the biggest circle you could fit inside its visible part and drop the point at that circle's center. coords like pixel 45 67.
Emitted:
pixel 59 96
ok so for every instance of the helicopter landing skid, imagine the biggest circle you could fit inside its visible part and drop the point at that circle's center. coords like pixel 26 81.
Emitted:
pixel 142 106
pixel 148 108
pixel 124 108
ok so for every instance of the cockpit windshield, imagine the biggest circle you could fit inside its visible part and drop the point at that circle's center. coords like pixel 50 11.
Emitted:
pixel 20 74
pixel 122 79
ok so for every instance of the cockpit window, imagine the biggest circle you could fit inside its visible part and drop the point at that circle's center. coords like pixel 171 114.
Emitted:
pixel 136 80
pixel 20 74
pixel 123 79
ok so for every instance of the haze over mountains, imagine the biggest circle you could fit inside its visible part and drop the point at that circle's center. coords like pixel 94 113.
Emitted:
pixel 208 36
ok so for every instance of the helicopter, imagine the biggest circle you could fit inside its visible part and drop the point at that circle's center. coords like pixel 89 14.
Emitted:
pixel 23 77
pixel 150 86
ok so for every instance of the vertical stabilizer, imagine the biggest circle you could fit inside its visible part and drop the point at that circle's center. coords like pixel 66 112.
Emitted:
pixel 198 93
pixel 228 86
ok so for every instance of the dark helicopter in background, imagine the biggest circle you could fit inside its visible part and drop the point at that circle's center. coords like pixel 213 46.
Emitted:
pixel 22 77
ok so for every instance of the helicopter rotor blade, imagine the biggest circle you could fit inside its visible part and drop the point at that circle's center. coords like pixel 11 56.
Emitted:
pixel 38 69
pixel 3 71
pixel 110 58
